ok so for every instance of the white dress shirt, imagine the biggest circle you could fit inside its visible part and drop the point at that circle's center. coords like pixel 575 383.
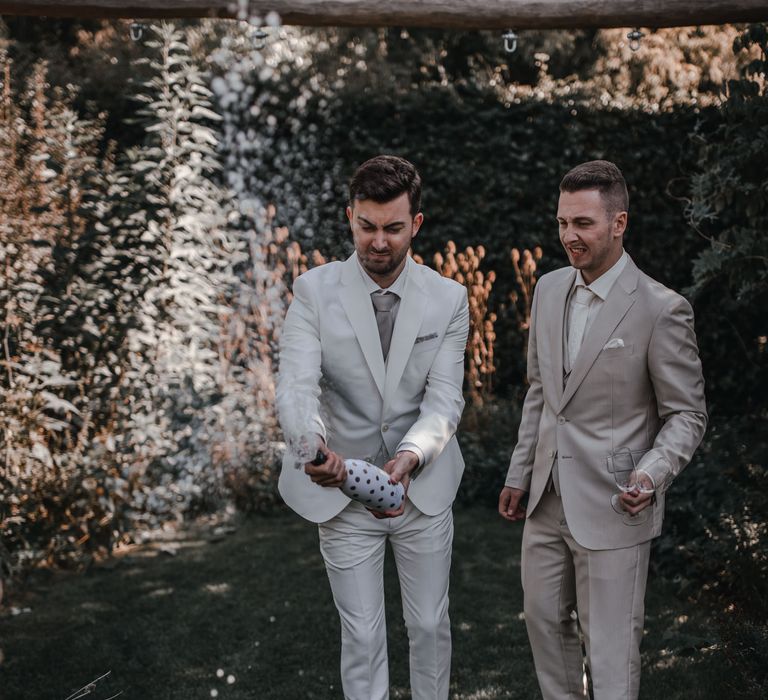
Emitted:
pixel 397 287
pixel 600 289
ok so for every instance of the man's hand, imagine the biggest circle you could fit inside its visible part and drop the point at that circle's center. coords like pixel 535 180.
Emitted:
pixel 399 470
pixel 329 474
pixel 509 504
pixel 636 501
pixel 402 465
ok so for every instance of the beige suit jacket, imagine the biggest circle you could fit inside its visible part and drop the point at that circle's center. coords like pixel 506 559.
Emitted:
pixel 647 395
pixel 333 381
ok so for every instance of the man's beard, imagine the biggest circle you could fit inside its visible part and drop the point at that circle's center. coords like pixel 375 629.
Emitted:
pixel 382 266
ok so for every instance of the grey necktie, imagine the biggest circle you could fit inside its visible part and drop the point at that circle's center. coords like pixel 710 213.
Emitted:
pixel 385 319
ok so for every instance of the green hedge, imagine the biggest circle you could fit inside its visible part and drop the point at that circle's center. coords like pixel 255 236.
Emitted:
pixel 491 174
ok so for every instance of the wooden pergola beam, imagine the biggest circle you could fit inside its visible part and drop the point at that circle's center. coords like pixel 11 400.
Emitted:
pixel 448 14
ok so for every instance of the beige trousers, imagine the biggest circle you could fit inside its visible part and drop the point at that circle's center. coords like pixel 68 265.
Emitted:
pixel 353 545
pixel 605 588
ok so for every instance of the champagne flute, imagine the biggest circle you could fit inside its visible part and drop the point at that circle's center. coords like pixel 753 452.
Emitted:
pixel 625 474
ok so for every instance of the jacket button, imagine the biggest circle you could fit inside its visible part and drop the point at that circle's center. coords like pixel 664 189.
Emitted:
pixel 561 420
pixel 551 453
pixel 384 428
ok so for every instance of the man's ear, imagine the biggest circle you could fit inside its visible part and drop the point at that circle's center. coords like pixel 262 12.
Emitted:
pixel 418 220
pixel 620 224
pixel 349 215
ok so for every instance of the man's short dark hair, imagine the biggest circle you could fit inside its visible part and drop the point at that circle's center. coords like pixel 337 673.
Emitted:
pixel 601 175
pixel 384 178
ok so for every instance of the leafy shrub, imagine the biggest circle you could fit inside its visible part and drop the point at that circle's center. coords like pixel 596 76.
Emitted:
pixel 140 305
pixel 716 540
pixel 728 206
pixel 486 435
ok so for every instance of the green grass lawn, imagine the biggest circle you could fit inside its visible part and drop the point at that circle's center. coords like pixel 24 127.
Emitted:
pixel 256 605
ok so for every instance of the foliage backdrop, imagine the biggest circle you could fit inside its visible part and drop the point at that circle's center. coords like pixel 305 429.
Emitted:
pixel 158 198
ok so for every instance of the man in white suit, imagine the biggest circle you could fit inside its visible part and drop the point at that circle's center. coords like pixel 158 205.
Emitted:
pixel 371 367
pixel 615 379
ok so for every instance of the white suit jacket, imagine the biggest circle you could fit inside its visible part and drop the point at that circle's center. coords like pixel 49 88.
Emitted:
pixel 645 391
pixel 333 381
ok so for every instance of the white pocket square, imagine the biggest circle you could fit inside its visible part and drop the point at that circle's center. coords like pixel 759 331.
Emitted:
pixel 614 343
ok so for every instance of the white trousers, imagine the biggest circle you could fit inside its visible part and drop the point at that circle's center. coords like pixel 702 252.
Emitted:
pixel 605 587
pixel 353 545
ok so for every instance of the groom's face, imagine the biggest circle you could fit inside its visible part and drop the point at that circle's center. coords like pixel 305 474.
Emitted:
pixel 591 234
pixel 382 233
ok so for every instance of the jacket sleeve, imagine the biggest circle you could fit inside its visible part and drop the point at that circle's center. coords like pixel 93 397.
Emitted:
pixel 521 463
pixel 675 370
pixel 298 386
pixel 443 401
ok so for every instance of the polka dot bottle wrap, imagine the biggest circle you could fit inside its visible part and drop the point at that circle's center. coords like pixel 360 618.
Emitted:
pixel 371 486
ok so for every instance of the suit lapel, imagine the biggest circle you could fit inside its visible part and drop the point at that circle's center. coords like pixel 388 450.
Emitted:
pixel 357 305
pixel 410 315
pixel 556 321
pixel 620 300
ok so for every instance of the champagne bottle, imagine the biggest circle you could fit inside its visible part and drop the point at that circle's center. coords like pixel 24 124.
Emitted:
pixel 368 484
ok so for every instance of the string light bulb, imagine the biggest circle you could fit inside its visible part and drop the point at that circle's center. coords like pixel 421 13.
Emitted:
pixel 510 41
pixel 635 36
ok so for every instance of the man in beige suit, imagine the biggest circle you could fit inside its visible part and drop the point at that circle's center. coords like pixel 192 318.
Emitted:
pixel 371 367
pixel 614 377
